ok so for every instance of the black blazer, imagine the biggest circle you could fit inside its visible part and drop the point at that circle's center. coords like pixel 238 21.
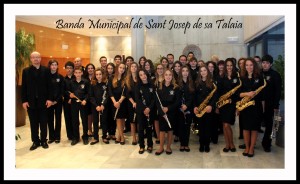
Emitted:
pixel 36 88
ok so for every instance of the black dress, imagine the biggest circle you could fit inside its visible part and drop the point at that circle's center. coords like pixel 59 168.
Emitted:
pixel 227 112
pixel 170 98
pixel 250 115
pixel 117 93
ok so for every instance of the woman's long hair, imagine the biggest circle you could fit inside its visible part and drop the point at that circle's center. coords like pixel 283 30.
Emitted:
pixel 256 72
pixel 209 80
pixel 129 79
pixel 189 79
pixel 115 79
pixel 173 82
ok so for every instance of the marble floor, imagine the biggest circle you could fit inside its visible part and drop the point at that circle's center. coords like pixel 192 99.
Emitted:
pixel 116 156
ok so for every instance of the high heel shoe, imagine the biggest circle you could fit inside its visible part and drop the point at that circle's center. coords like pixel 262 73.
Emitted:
pixel 158 153
pixel 141 151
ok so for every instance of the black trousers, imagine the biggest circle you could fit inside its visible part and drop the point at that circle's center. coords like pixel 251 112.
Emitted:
pixel 54 130
pixel 144 125
pixel 268 119
pixel 102 118
pixel 205 128
pixel 76 107
pixel 38 120
pixel 68 120
pixel 184 128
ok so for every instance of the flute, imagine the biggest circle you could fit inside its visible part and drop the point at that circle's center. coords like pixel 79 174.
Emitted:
pixel 165 115
pixel 78 100
pixel 120 104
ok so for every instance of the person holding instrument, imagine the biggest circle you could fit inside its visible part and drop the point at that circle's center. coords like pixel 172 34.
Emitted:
pixel 168 103
pixel 145 99
pixel 116 91
pixel 79 95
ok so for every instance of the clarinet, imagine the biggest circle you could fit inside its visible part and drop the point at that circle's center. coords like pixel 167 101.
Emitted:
pixel 120 105
pixel 103 99
pixel 144 102
pixel 183 102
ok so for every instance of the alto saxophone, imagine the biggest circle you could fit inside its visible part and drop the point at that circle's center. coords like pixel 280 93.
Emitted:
pixel 203 105
pixel 225 99
pixel 247 101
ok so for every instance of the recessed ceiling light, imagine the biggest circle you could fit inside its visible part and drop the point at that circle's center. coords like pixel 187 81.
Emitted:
pixel 50 56
pixel 78 37
pixel 126 17
pixel 41 31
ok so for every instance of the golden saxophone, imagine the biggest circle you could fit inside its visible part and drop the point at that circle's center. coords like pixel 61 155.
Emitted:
pixel 225 99
pixel 203 105
pixel 247 101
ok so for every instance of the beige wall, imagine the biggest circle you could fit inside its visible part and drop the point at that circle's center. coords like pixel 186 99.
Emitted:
pixel 212 41
pixel 256 25
pixel 109 46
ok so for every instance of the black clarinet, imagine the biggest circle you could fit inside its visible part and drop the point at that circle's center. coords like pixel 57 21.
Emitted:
pixel 144 102
pixel 183 102
pixel 103 98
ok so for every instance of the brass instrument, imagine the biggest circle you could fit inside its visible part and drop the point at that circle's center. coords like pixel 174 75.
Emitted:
pixel 120 104
pixel 203 105
pixel 276 121
pixel 247 101
pixel 225 99
pixel 165 115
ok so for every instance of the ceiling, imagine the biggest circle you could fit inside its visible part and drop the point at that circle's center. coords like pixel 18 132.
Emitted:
pixel 83 24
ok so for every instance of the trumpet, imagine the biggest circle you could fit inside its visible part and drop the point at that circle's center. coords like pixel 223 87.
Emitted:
pixel 77 99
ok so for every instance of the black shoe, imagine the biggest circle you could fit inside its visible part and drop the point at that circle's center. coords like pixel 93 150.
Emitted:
pixel 201 149
pixel 168 152
pixel 74 141
pixel 242 146
pixel 226 149
pixel 106 141
pixel 181 149
pixel 86 141
pixel 233 149
pixel 122 143
pixel 44 145
pixel 251 155
pixel 187 149
pixel 206 149
pixel 94 142
pixel 134 143
pixel 141 151
pixel 149 149
pixel 157 142
pixel 57 141
pixel 241 137
pixel 34 146
pixel 159 153
pixel 50 141
pixel 245 154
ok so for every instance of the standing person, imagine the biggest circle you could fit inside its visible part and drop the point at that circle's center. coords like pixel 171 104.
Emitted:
pixel 117 93
pixel 194 69
pixel 159 77
pixel 98 98
pixel 251 82
pixel 79 89
pixel 145 99
pixel 164 62
pixel 205 97
pixel 69 66
pixel 226 104
pixel 131 83
pixel 258 61
pixel 186 85
pixel 168 104
pixel 273 91
pixel 141 62
pixel 176 70
pixel 36 98
pixel 89 74
pixel 200 63
pixel 149 67
pixel 183 60
pixel 241 62
pixel 57 82
pixel 117 60
pixel 111 123
pixel 170 60
pixel 103 63
pixel 189 56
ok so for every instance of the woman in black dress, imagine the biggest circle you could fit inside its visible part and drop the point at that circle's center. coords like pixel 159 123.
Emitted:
pixel 117 92
pixel 168 104
pixel 230 82
pixel 251 81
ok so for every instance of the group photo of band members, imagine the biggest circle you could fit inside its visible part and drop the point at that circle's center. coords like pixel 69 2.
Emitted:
pixel 158 103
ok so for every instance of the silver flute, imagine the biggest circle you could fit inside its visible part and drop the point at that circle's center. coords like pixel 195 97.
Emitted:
pixel 165 115
pixel 120 104
pixel 103 99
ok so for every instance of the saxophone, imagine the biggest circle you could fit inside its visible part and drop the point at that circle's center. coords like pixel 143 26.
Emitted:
pixel 247 101
pixel 203 105
pixel 225 99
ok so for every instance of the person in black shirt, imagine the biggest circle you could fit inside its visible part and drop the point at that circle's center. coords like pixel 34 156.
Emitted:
pixel 57 82
pixel 36 98
pixel 79 94
pixel 204 88
pixel 272 97
pixel 194 69
pixel 145 99
pixel 186 85
pixel 168 104
pixel 98 98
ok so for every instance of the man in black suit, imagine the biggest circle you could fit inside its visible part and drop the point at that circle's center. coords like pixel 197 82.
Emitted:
pixel 36 98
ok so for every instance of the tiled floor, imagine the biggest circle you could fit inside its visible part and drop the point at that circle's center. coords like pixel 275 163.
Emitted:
pixel 99 156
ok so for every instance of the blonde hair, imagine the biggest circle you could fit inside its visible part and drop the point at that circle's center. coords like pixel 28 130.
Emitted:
pixel 173 82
